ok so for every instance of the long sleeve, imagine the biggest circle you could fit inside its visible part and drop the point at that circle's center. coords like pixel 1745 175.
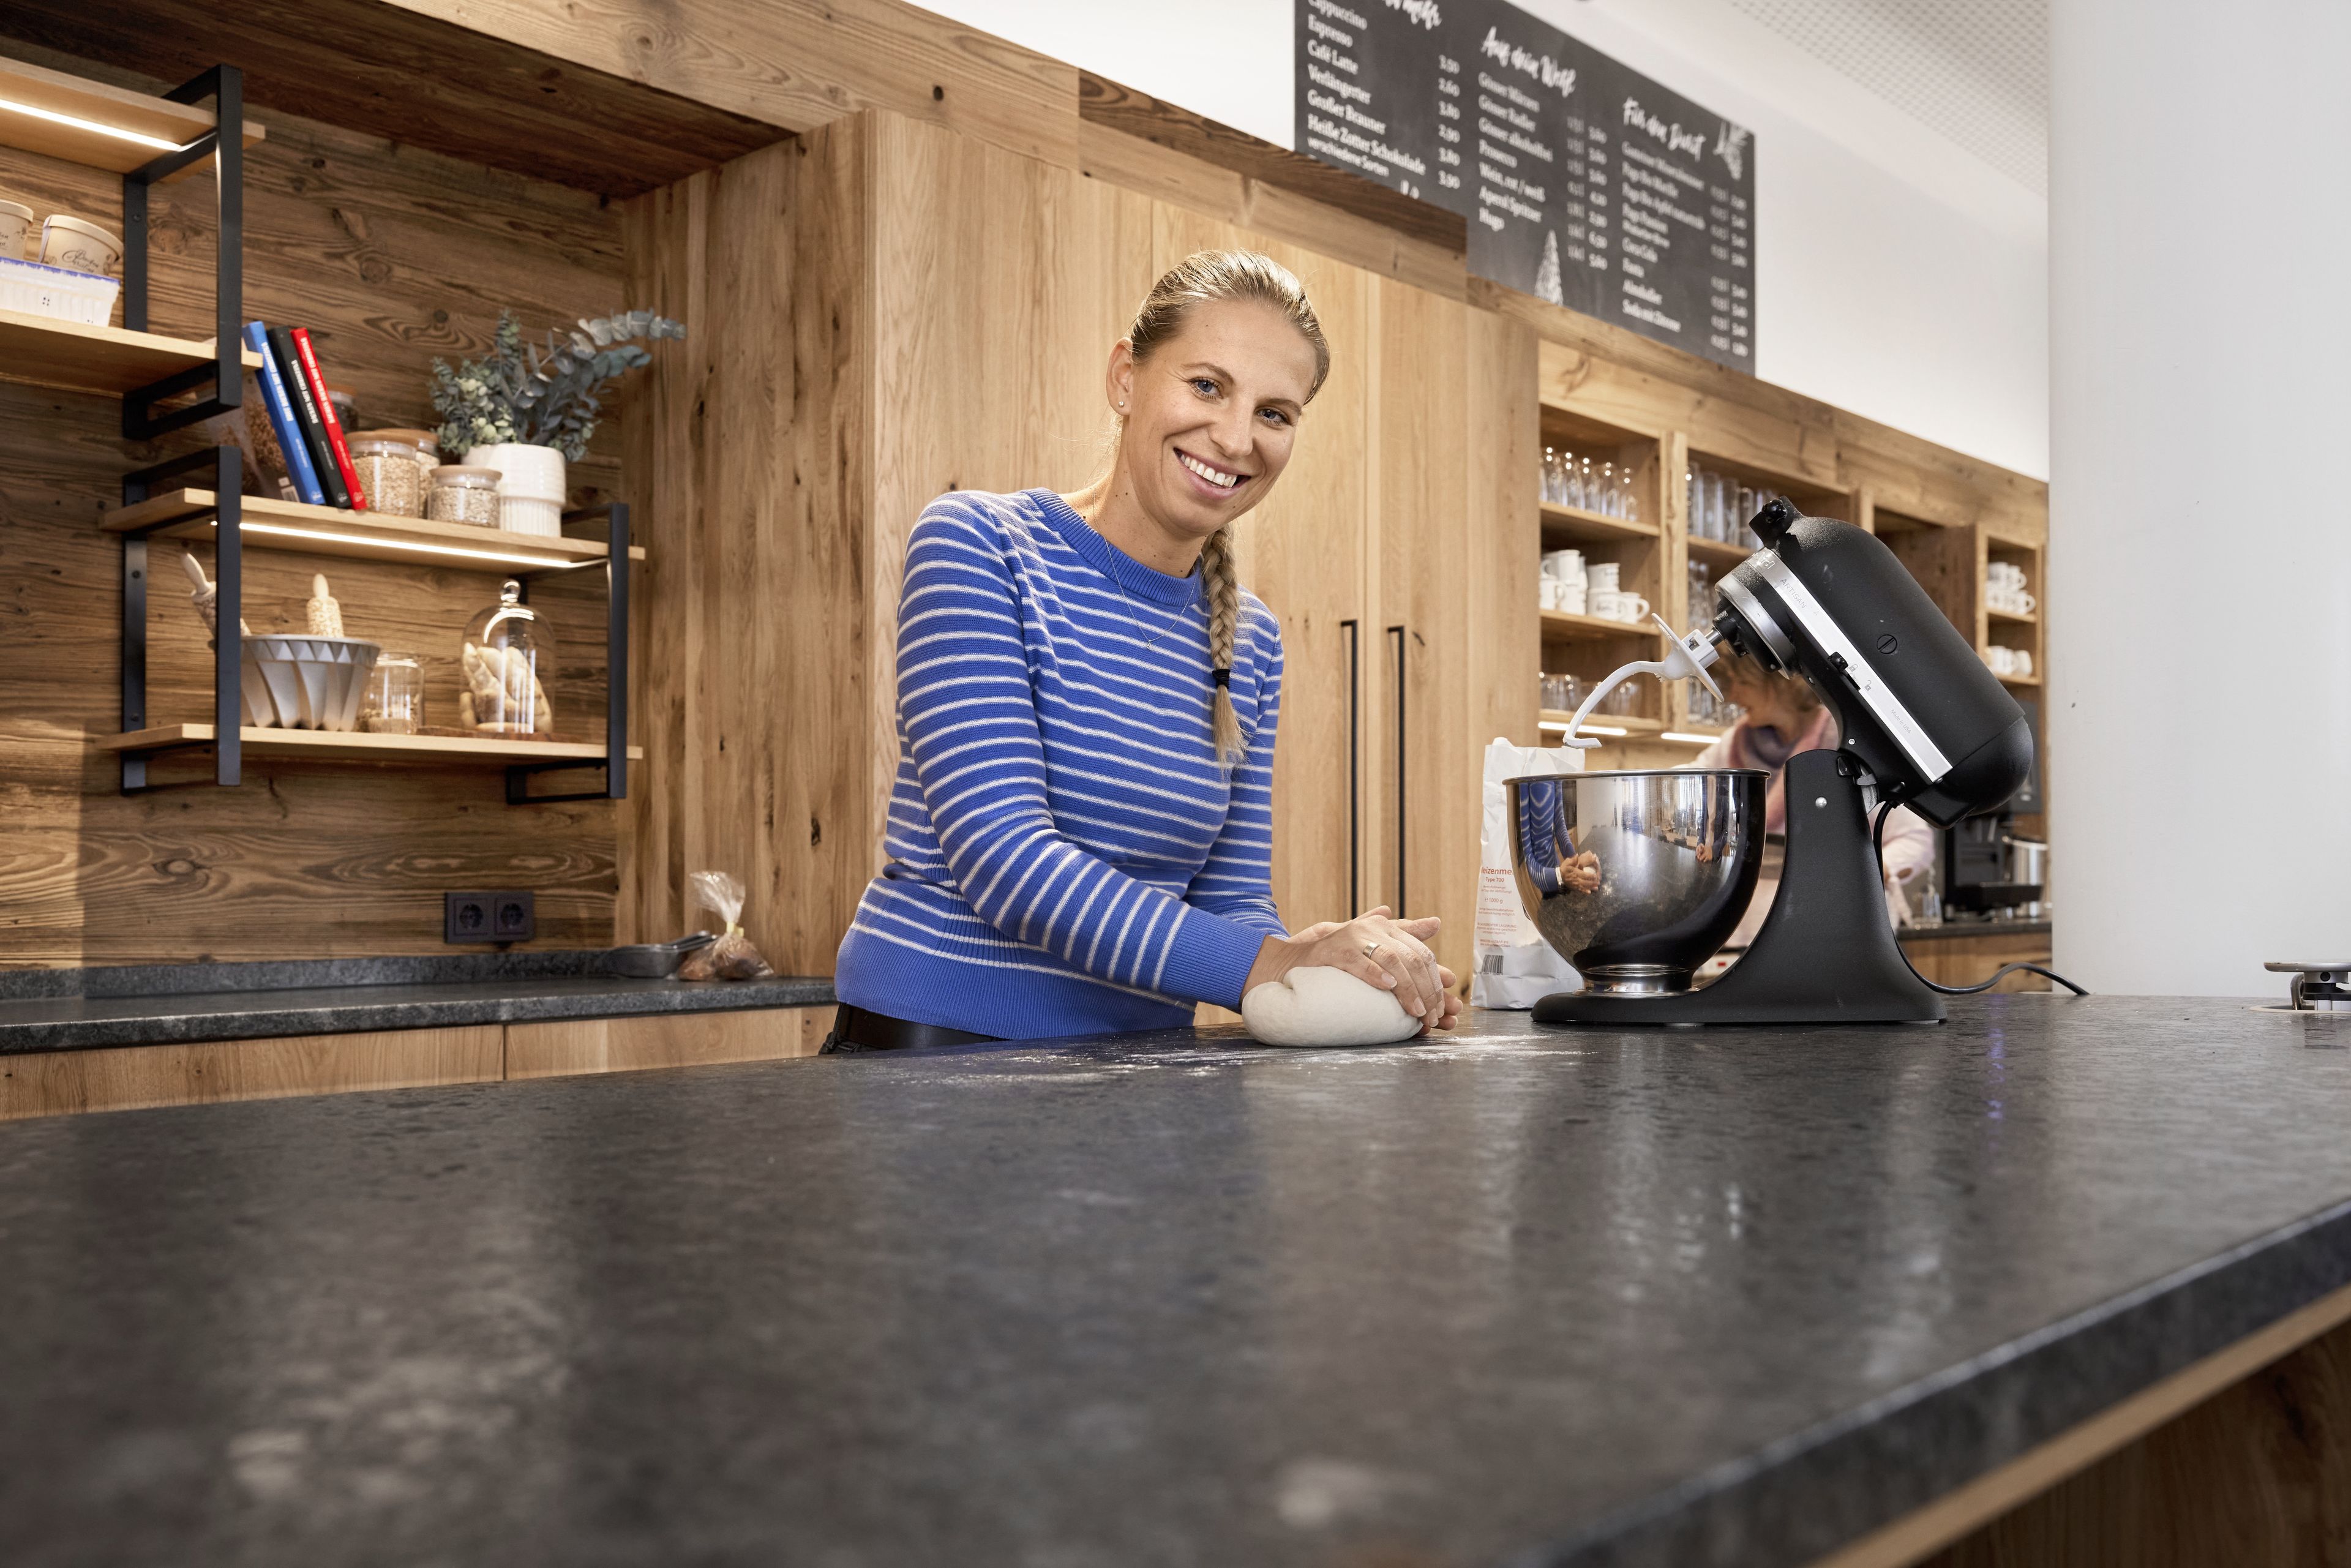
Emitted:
pixel 968 713
pixel 1236 881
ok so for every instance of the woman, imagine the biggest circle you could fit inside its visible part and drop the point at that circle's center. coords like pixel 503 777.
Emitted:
pixel 1081 834
pixel 1786 715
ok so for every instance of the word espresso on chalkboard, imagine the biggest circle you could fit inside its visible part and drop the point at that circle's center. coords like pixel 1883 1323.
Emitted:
pixel 1583 182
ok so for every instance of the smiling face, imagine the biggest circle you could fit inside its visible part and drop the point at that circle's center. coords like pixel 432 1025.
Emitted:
pixel 1210 416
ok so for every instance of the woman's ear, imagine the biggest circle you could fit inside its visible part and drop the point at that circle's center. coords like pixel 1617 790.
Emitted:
pixel 1118 382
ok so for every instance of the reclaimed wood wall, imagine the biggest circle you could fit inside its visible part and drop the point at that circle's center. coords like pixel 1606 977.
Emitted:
pixel 390 256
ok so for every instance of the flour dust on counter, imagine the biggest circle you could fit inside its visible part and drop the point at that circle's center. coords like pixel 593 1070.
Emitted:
pixel 1586 183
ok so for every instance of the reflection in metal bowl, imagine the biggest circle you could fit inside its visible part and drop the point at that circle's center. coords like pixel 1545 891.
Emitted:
pixel 1637 878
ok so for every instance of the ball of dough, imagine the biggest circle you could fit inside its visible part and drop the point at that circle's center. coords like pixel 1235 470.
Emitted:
pixel 1324 1007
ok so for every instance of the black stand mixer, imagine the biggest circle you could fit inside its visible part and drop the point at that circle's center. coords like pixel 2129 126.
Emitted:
pixel 1630 875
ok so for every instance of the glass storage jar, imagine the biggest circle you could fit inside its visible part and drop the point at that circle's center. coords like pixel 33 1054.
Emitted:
pixel 395 695
pixel 509 651
pixel 387 472
pixel 462 495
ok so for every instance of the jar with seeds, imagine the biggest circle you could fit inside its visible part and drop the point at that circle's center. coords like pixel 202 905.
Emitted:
pixel 462 495
pixel 387 472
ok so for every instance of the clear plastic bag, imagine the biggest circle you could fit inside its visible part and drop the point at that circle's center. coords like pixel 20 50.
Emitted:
pixel 1516 967
pixel 732 956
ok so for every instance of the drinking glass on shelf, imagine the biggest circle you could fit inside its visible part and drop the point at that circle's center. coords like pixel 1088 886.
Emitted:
pixel 1624 701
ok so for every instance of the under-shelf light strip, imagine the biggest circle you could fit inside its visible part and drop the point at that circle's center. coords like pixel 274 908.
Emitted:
pixel 1588 729
pixel 412 545
pixel 78 124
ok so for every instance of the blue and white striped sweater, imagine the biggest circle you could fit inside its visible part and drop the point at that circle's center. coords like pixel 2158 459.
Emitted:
pixel 1065 854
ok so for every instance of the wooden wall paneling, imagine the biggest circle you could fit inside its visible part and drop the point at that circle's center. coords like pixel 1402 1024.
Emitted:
pixel 125 1078
pixel 1673 526
pixel 666 241
pixel 1423 534
pixel 391 255
pixel 1504 422
pixel 462 92
pixel 560 1048
pixel 801 64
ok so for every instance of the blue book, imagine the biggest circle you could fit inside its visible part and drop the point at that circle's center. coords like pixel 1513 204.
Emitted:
pixel 281 419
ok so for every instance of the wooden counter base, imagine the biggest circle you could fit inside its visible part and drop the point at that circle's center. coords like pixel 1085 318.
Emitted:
pixel 2244 1458
pixel 131 1077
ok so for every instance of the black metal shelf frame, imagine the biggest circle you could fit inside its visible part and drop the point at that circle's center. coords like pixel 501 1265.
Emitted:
pixel 144 417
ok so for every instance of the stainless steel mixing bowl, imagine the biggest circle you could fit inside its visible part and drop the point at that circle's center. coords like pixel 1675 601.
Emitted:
pixel 1637 878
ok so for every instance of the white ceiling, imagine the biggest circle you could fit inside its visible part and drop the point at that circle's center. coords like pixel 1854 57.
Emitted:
pixel 1976 72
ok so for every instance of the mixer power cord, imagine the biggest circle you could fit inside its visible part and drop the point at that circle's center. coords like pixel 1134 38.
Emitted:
pixel 1878 846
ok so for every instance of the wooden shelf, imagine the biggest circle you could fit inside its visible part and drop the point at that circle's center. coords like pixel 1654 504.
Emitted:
pixel 356 745
pixel 1718 549
pixel 1631 724
pixel 1577 525
pixel 360 536
pixel 52 353
pixel 142 115
pixel 1561 626
pixel 2018 680
pixel 2012 615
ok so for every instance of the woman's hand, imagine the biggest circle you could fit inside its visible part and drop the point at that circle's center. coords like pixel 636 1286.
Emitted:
pixel 1377 949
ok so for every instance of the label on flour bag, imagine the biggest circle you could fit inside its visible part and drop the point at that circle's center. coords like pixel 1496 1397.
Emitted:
pixel 1500 918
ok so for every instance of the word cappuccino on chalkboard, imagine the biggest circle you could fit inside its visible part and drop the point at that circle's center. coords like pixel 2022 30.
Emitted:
pixel 1583 182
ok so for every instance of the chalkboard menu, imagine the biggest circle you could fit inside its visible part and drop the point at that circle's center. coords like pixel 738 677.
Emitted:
pixel 1583 182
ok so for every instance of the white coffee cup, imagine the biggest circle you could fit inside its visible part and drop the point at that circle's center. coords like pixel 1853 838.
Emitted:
pixel 1601 576
pixel 2002 659
pixel 1573 598
pixel 2021 660
pixel 16 231
pixel 1547 592
pixel 78 246
pixel 1613 604
pixel 1567 565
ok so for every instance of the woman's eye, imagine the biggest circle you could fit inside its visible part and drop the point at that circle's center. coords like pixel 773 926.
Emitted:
pixel 1274 415
pixel 1204 386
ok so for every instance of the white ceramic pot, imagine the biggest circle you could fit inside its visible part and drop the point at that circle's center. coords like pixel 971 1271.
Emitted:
pixel 530 485
pixel 305 683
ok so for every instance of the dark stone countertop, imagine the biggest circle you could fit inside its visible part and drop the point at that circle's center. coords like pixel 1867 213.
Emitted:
pixel 157 1004
pixel 1722 1297
pixel 1954 929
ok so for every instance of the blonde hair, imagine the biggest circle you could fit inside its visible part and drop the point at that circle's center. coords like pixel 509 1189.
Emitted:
pixel 1199 279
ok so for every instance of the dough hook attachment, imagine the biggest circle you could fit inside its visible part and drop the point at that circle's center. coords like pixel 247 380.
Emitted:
pixel 1690 656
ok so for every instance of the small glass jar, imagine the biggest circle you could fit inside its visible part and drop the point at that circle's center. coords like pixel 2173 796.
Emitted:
pixel 427 446
pixel 462 495
pixel 395 695
pixel 387 472
pixel 500 666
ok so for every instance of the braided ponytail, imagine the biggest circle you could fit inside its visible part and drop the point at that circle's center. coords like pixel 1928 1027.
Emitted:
pixel 1205 275
pixel 1224 587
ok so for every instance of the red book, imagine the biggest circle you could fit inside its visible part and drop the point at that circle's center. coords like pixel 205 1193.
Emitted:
pixel 311 374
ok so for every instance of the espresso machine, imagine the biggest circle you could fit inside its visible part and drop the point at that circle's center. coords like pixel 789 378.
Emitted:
pixel 1984 869
pixel 1637 878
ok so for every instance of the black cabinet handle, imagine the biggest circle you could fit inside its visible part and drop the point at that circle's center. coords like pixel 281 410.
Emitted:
pixel 1354 632
pixel 1403 910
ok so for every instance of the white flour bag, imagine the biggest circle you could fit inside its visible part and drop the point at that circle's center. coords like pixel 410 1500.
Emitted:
pixel 1516 967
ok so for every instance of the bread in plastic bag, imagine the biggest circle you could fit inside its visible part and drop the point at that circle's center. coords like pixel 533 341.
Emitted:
pixel 732 956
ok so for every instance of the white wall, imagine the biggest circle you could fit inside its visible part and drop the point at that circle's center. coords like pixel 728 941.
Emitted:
pixel 2200 715
pixel 1897 276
